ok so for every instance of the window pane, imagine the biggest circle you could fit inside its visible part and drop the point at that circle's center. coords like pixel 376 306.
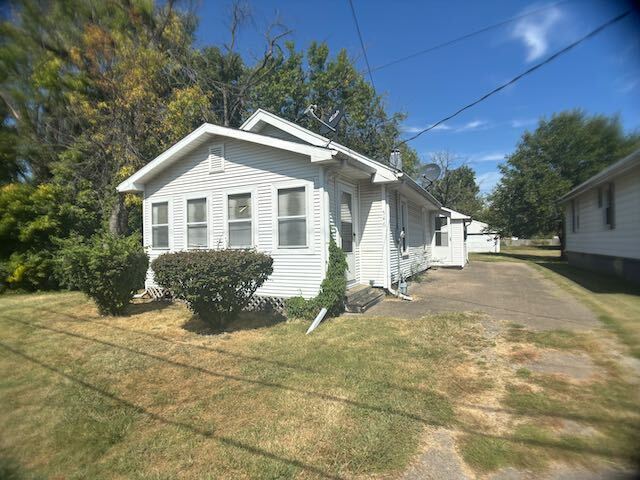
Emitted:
pixel 291 201
pixel 197 210
pixel 239 206
pixel 292 232
pixel 240 234
pixel 160 213
pixel 442 239
pixel 346 230
pixel 160 237
pixel 197 236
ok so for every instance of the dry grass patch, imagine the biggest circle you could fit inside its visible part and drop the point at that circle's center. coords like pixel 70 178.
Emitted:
pixel 152 394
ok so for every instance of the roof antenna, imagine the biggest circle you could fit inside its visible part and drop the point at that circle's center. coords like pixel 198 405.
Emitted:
pixel 330 122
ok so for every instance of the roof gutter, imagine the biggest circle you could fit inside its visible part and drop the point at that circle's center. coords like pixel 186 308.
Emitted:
pixel 410 182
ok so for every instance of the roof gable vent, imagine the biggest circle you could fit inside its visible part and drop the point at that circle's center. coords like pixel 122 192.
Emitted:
pixel 216 158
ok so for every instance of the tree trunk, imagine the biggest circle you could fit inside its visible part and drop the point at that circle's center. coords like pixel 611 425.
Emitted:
pixel 119 219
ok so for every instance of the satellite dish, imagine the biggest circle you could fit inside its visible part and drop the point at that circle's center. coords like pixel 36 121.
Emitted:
pixel 431 172
pixel 330 122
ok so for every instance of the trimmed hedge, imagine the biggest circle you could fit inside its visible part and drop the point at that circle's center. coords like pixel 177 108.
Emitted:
pixel 332 289
pixel 215 284
pixel 109 269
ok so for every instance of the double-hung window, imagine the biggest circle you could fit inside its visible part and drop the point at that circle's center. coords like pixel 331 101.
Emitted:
pixel 609 211
pixel 160 225
pixel 442 235
pixel 197 231
pixel 240 220
pixel 292 217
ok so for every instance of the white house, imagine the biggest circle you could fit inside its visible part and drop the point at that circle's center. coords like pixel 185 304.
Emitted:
pixel 602 220
pixel 450 239
pixel 480 238
pixel 282 189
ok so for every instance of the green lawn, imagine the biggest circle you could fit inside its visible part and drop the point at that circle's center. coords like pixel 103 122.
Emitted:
pixel 149 395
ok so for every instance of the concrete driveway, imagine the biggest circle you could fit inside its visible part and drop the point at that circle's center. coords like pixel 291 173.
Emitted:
pixel 510 291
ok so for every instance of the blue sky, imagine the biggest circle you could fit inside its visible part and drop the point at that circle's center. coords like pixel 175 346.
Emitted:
pixel 602 75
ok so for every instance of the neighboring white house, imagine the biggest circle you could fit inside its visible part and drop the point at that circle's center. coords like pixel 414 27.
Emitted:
pixel 480 238
pixel 602 220
pixel 450 239
pixel 282 189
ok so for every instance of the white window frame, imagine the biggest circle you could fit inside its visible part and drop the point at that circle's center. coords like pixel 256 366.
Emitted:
pixel 225 213
pixel 309 188
pixel 197 196
pixel 404 224
pixel 222 156
pixel 436 231
pixel 169 202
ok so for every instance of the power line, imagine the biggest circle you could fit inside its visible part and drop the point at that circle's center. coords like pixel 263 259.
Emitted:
pixel 364 51
pixel 464 37
pixel 523 74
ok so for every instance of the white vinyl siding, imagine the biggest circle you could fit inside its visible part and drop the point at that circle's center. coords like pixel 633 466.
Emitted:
pixel 595 236
pixel 250 167
pixel 372 235
pixel 417 256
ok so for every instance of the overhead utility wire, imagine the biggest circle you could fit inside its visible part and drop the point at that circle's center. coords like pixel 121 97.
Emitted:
pixel 364 51
pixel 464 37
pixel 523 74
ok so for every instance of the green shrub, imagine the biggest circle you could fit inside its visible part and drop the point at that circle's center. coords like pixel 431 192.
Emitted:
pixel 107 268
pixel 332 289
pixel 31 270
pixel 215 284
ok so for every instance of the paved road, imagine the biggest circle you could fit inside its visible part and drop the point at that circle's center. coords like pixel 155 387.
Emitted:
pixel 505 290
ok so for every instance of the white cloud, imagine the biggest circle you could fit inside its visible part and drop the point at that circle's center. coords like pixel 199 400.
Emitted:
pixel 534 31
pixel 474 125
pixel 488 180
pixel 441 127
pixel 628 85
pixel 526 122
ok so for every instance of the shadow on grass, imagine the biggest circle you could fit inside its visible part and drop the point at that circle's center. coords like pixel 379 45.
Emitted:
pixel 244 321
pixel 145 306
pixel 211 434
pixel 593 281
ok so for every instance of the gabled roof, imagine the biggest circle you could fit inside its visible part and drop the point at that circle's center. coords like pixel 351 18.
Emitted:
pixel 612 170
pixel 455 215
pixel 383 173
pixel 320 149
pixel 136 181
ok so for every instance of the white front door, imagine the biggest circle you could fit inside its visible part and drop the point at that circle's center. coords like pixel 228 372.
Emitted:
pixel 442 240
pixel 347 229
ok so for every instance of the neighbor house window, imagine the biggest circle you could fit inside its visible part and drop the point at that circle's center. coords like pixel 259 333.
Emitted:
pixel 609 211
pixel 292 217
pixel 442 236
pixel 404 216
pixel 240 220
pixel 575 215
pixel 599 197
pixel 197 223
pixel 160 225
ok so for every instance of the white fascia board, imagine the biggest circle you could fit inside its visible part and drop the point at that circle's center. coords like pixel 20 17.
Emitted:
pixel 136 181
pixel 455 215
pixel 383 173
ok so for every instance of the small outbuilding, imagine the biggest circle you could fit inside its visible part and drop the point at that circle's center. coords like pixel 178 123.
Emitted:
pixel 450 239
pixel 480 238
pixel 602 220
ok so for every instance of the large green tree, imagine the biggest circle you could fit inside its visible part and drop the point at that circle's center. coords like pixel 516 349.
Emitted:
pixel 561 153
pixel 300 79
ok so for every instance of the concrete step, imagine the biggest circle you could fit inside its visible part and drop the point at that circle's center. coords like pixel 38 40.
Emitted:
pixel 360 298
